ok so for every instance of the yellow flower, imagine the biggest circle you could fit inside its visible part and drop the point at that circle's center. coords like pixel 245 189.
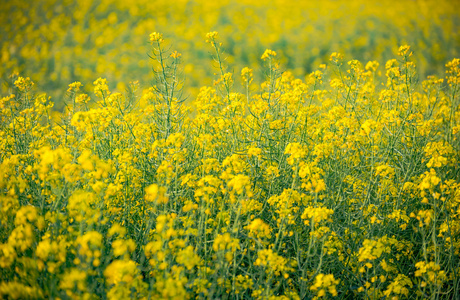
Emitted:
pixel 156 194
pixel 175 139
pixel 225 242
pixel 123 247
pixel 268 54
pixel 188 258
pixel 90 244
pixel 117 229
pixel 7 255
pixel 156 37
pixel 273 263
pixel 17 290
pixel 317 214
pixel 272 172
pixel 82 98
pixel 101 88
pixel 26 214
pixel 72 279
pixel 23 84
pixel 336 58
pixel 211 36
pixel 74 87
pixel 372 66
pixel 296 152
pixel 399 286
pixel 175 55
pixel 259 229
pixel 246 75
pixel 324 283
pixel 121 271
pixel 21 238
pixel 404 51
pixel 371 250
pixel 438 153
pixel 240 183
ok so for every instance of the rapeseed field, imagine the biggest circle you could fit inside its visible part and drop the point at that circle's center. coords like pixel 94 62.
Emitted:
pixel 230 150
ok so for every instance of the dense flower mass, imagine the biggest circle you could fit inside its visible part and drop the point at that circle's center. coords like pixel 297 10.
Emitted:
pixel 56 42
pixel 344 184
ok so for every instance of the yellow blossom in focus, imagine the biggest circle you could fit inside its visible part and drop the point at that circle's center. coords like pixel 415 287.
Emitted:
pixel 74 87
pixel 211 36
pixel 247 75
pixel 404 51
pixel 101 89
pixel 268 54
pixel 156 37
pixel 23 84
pixel 336 58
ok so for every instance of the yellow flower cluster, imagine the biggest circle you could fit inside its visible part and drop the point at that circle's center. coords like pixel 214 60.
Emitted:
pixel 341 183
pixel 274 263
pixel 268 54
pixel 211 36
pixel 324 283
pixel 156 37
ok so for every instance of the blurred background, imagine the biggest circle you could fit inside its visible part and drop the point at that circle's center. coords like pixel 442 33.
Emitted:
pixel 58 42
